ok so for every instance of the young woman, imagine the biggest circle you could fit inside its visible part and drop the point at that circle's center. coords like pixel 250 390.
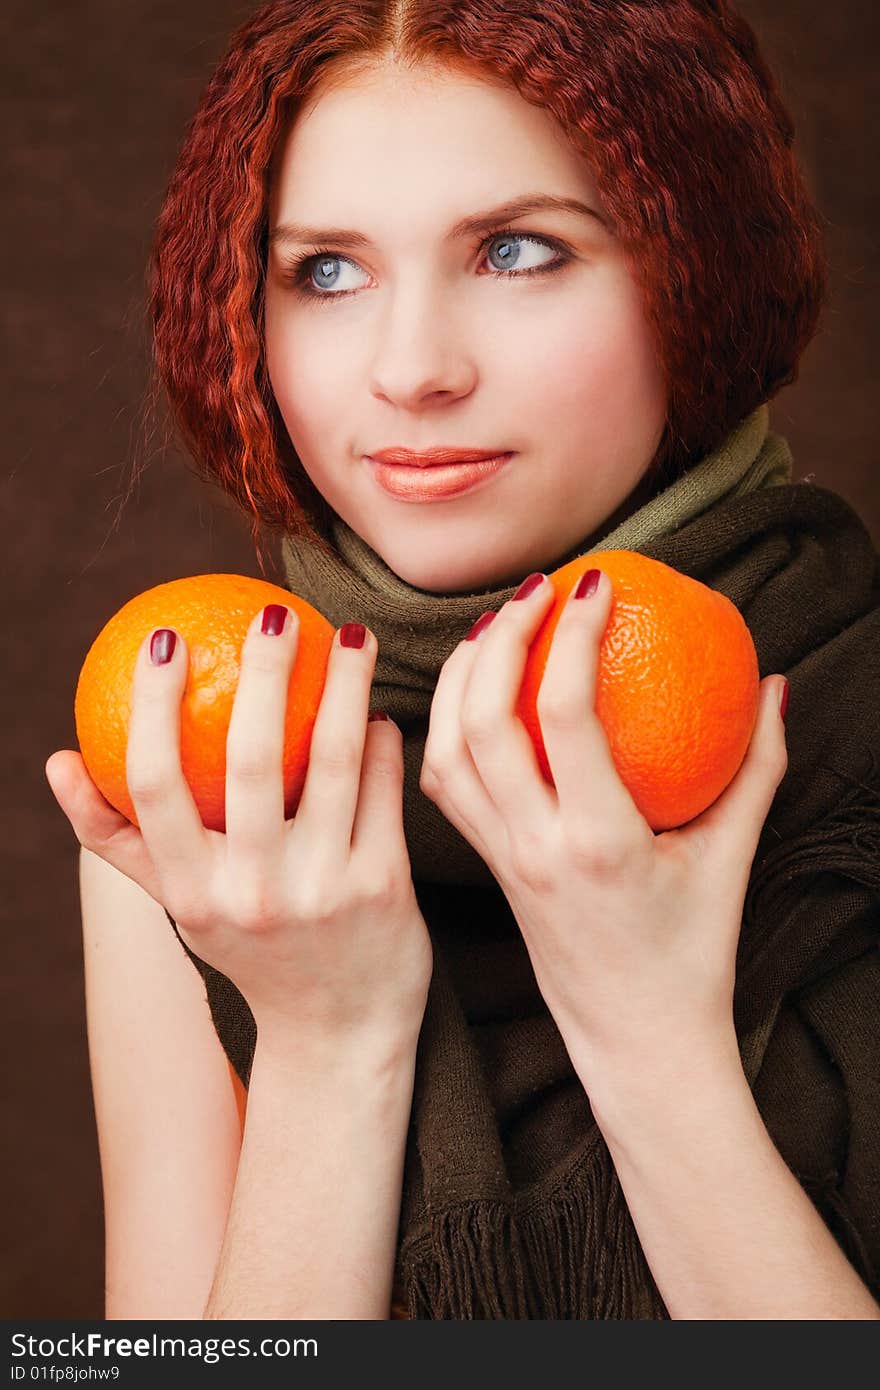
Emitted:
pixel 500 1040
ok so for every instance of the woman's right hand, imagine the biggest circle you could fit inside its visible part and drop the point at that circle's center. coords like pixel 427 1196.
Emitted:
pixel 314 919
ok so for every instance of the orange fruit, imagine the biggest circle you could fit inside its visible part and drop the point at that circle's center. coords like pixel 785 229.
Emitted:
pixel 676 688
pixel 212 612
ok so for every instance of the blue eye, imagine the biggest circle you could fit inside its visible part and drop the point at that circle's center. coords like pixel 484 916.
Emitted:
pixel 324 264
pixel 510 259
pixel 323 267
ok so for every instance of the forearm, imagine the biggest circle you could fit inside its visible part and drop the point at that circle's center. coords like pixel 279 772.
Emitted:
pixel 313 1222
pixel 726 1228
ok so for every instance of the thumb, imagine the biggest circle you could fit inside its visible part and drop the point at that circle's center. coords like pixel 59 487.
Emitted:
pixel 98 826
pixel 92 817
pixel 730 828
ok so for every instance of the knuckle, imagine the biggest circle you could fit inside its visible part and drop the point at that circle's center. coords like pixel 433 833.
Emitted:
pixel 531 861
pixel 256 907
pixel 316 904
pixel 479 722
pixel 340 758
pixel 430 778
pixel 251 763
pixel 385 886
pixel 189 910
pixel 771 765
pixel 594 853
pixel 562 708
pixel 428 784
pixel 150 695
pixel 267 656
pixel 385 768
pixel 442 787
pixel 149 784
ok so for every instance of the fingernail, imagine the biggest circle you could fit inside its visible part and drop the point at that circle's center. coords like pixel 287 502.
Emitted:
pixel 528 586
pixel 274 618
pixel 587 584
pixel 783 699
pixel 162 644
pixel 352 635
pixel 376 714
pixel 480 626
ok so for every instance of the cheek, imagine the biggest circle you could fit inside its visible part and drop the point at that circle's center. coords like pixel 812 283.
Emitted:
pixel 307 394
pixel 599 362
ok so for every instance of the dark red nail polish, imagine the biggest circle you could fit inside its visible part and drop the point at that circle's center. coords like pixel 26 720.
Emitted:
pixel 274 615
pixel 783 703
pixel 162 644
pixel 588 584
pixel 528 586
pixel 352 635
pixel 376 714
pixel 480 625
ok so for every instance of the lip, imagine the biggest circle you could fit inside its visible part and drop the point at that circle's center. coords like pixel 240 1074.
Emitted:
pixel 432 458
pixel 411 483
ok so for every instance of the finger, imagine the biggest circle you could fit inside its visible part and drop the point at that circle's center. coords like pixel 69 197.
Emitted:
pixel 324 819
pixel 588 784
pixel 98 826
pixel 255 826
pixel 449 775
pixel 500 745
pixel 377 833
pixel 167 814
pixel 729 829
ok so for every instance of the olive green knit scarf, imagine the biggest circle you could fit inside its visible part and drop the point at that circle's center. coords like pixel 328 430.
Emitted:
pixel 511 1207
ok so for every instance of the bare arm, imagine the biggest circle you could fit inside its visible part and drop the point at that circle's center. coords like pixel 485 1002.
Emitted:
pixel 168 1127
pixel 727 1229
pixel 312 1228
pixel 310 1221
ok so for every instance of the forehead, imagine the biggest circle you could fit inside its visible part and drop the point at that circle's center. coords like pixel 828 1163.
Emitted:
pixel 439 134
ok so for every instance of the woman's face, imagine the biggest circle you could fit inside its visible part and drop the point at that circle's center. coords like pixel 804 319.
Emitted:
pixel 415 333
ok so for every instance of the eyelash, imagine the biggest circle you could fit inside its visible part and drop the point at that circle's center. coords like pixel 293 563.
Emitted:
pixel 296 272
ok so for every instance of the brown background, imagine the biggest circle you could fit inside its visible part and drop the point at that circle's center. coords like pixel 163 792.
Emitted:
pixel 96 98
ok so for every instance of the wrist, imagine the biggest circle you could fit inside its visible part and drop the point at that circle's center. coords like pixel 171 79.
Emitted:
pixel 647 1090
pixel 287 1048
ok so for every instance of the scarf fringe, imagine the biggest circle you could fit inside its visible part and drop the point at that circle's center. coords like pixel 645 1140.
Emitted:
pixel 577 1256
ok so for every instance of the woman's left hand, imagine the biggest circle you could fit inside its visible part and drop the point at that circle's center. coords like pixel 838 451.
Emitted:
pixel 632 935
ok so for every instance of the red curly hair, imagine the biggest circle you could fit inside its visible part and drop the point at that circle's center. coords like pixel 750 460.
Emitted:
pixel 686 134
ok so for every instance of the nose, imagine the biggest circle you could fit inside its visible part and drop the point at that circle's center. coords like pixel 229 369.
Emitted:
pixel 420 357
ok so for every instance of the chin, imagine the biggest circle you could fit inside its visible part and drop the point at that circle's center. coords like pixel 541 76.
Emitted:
pixel 440 580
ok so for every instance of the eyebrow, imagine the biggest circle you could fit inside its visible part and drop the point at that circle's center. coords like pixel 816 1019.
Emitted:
pixel 288 232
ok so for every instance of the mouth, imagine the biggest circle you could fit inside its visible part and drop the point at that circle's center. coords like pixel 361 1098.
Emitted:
pixel 434 458
pixel 424 482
